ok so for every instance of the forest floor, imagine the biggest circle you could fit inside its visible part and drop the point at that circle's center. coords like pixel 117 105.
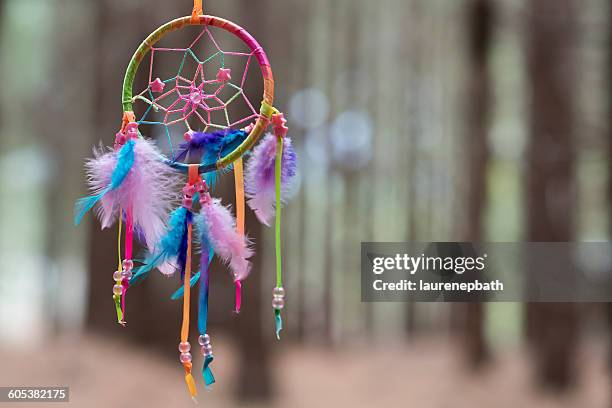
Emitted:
pixel 423 374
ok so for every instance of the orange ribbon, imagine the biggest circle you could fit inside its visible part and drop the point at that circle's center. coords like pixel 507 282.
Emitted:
pixel 197 11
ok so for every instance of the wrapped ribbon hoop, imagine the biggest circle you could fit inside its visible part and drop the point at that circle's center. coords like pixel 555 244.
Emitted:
pixel 266 109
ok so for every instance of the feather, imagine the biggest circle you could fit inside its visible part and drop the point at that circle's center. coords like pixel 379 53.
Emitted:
pixel 260 180
pixel 148 188
pixel 113 167
pixel 168 249
pixel 181 291
pixel 207 148
pixel 217 226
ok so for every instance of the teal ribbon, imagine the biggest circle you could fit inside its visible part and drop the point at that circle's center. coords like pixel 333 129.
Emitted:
pixel 207 374
pixel 278 320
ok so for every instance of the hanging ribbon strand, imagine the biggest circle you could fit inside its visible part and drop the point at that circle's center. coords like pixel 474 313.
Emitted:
pixel 184 346
pixel 240 210
pixel 278 301
pixel 197 11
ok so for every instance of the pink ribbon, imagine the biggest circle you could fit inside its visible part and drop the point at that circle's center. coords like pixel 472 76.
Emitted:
pixel 238 286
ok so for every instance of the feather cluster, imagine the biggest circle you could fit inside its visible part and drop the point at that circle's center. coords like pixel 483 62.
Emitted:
pixel 147 187
pixel 207 148
pixel 217 228
pixel 260 177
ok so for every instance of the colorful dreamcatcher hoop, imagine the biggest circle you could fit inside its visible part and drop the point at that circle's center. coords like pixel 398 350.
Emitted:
pixel 134 183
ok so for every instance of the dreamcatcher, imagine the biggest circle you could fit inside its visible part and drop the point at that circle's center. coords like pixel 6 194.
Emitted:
pixel 134 182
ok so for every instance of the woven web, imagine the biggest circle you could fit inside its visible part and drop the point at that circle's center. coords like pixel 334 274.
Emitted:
pixel 203 95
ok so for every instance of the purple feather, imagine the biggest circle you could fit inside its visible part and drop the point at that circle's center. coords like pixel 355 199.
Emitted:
pixel 217 226
pixel 260 177
pixel 148 189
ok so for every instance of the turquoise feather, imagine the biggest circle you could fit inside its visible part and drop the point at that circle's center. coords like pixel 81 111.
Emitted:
pixel 125 161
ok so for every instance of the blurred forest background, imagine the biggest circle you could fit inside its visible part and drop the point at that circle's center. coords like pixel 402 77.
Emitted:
pixel 422 120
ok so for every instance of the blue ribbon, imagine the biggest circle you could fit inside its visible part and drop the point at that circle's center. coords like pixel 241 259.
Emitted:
pixel 207 374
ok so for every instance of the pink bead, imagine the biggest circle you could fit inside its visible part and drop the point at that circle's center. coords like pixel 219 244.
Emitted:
pixel 196 97
pixel 280 124
pixel 187 136
pixel 185 358
pixel 184 347
pixel 120 138
pixel 189 190
pixel 128 264
pixel 224 75
pixel 157 86
pixel 117 276
pixel 187 202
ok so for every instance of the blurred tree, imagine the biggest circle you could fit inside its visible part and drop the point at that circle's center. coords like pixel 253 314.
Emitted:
pixel 608 306
pixel 552 328
pixel 478 117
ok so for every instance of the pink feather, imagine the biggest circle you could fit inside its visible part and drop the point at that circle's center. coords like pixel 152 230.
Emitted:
pixel 148 188
pixel 219 227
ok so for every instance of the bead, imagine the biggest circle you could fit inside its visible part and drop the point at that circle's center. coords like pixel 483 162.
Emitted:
pixel 278 303
pixel 189 190
pixel 117 276
pixel 206 350
pixel 127 274
pixel 224 75
pixel 157 86
pixel 184 347
pixel 185 358
pixel 204 339
pixel 128 264
pixel 117 290
pixel 279 291
pixel 187 136
pixel 132 134
pixel 187 202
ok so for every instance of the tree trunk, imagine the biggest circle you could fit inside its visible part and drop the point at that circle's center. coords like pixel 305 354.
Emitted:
pixel 480 23
pixel 552 329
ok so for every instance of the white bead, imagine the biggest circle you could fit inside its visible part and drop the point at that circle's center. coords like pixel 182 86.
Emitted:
pixel 206 350
pixel 184 347
pixel 185 358
pixel 278 303
pixel 127 274
pixel 117 276
pixel 279 291
pixel 204 339
pixel 117 290
pixel 128 265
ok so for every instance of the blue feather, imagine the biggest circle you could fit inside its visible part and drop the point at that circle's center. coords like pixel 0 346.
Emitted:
pixel 169 246
pixel 180 291
pixel 223 146
pixel 125 161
